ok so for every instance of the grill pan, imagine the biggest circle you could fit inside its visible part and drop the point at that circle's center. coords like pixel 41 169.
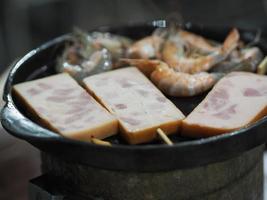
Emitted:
pixel 185 153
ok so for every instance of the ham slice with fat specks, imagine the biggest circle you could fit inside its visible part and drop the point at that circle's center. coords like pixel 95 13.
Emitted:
pixel 237 100
pixel 139 106
pixel 60 104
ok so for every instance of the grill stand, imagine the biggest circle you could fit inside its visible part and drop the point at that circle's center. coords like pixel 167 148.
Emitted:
pixel 238 178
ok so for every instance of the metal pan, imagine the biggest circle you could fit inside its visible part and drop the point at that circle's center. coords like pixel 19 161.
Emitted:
pixel 185 153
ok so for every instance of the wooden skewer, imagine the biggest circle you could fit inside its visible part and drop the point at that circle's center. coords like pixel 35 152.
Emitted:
pixel 100 142
pixel 161 133
pixel 164 137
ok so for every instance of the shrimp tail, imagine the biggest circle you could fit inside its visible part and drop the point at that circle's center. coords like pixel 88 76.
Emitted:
pixel 231 42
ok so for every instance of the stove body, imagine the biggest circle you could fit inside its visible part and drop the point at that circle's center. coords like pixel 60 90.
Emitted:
pixel 237 178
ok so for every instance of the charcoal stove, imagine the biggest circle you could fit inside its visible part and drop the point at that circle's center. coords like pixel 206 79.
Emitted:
pixel 237 178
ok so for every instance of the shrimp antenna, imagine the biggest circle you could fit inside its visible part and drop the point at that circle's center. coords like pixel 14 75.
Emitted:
pixel 173 27
pixel 164 137
pixel 175 19
pixel 256 39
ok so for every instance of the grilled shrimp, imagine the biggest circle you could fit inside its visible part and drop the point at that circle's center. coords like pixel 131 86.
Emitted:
pixel 198 41
pixel 146 66
pixel 173 54
pixel 244 60
pixel 178 84
pixel 115 44
pixel 174 49
pixel 148 47
pixel 97 62
pixel 83 58
pixel 175 83
pixel 91 53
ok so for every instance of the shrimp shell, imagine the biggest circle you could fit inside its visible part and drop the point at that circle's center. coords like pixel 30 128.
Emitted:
pixel 173 50
pixel 148 47
pixel 173 54
pixel 196 65
pixel 182 84
pixel 245 60
pixel 174 83
pixel 146 66
pixel 198 41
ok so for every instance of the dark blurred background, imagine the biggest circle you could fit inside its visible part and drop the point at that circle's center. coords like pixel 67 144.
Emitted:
pixel 25 24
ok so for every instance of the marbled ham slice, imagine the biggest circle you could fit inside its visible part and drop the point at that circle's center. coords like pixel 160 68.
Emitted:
pixel 140 107
pixel 237 100
pixel 65 107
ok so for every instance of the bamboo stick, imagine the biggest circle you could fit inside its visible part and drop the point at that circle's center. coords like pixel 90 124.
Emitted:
pixel 100 142
pixel 164 137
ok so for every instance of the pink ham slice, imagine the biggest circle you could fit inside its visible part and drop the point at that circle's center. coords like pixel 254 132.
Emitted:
pixel 237 100
pixel 59 103
pixel 139 106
